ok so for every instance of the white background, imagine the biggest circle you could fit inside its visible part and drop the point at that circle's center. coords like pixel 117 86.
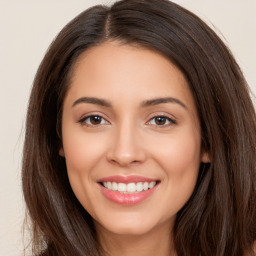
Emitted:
pixel 26 29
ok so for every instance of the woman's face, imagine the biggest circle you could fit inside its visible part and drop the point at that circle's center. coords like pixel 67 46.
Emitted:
pixel 131 138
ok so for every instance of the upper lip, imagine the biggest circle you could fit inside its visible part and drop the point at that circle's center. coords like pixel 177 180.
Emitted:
pixel 126 179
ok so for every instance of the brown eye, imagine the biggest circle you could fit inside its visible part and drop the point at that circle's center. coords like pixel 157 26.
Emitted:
pixel 161 121
pixel 93 120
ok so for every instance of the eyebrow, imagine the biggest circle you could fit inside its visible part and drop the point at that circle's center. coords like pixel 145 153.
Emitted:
pixel 157 101
pixel 146 103
pixel 92 100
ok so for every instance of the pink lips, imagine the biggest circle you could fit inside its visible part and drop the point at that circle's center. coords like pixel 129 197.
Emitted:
pixel 126 198
pixel 126 179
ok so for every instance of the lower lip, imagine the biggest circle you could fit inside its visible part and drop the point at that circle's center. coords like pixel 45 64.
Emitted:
pixel 127 198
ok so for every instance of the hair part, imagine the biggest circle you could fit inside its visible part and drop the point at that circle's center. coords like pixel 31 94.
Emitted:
pixel 219 219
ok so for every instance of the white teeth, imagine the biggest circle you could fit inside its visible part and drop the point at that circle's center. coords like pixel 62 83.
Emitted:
pixel 114 186
pixel 130 187
pixel 109 185
pixel 145 186
pixel 152 184
pixel 121 187
pixel 139 186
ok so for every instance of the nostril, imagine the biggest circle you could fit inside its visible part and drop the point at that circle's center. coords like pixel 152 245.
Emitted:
pixel 126 152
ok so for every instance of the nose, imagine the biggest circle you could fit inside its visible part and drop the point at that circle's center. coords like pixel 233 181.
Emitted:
pixel 126 146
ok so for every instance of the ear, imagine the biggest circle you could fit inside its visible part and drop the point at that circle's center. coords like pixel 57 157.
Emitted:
pixel 205 158
pixel 61 152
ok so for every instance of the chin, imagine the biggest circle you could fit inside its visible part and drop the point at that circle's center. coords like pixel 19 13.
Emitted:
pixel 130 225
pixel 124 230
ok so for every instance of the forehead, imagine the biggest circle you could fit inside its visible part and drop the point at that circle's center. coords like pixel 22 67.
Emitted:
pixel 114 69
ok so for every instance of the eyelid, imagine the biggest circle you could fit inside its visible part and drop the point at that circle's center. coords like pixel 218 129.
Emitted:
pixel 91 114
pixel 171 119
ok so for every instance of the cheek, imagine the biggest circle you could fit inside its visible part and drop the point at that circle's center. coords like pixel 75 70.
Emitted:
pixel 83 154
pixel 180 160
pixel 180 153
pixel 82 151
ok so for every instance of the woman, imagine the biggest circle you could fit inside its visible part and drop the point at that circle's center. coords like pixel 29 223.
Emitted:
pixel 140 138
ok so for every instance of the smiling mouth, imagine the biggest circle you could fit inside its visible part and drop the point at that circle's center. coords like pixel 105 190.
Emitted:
pixel 129 188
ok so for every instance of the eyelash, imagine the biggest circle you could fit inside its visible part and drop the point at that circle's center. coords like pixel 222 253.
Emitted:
pixel 163 117
pixel 83 120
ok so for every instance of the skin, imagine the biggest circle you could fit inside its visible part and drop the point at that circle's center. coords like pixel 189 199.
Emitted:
pixel 128 140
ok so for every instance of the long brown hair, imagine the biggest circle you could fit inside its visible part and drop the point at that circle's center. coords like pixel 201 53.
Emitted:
pixel 220 217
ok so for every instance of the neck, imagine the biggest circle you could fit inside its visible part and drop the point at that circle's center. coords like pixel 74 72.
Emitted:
pixel 157 242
